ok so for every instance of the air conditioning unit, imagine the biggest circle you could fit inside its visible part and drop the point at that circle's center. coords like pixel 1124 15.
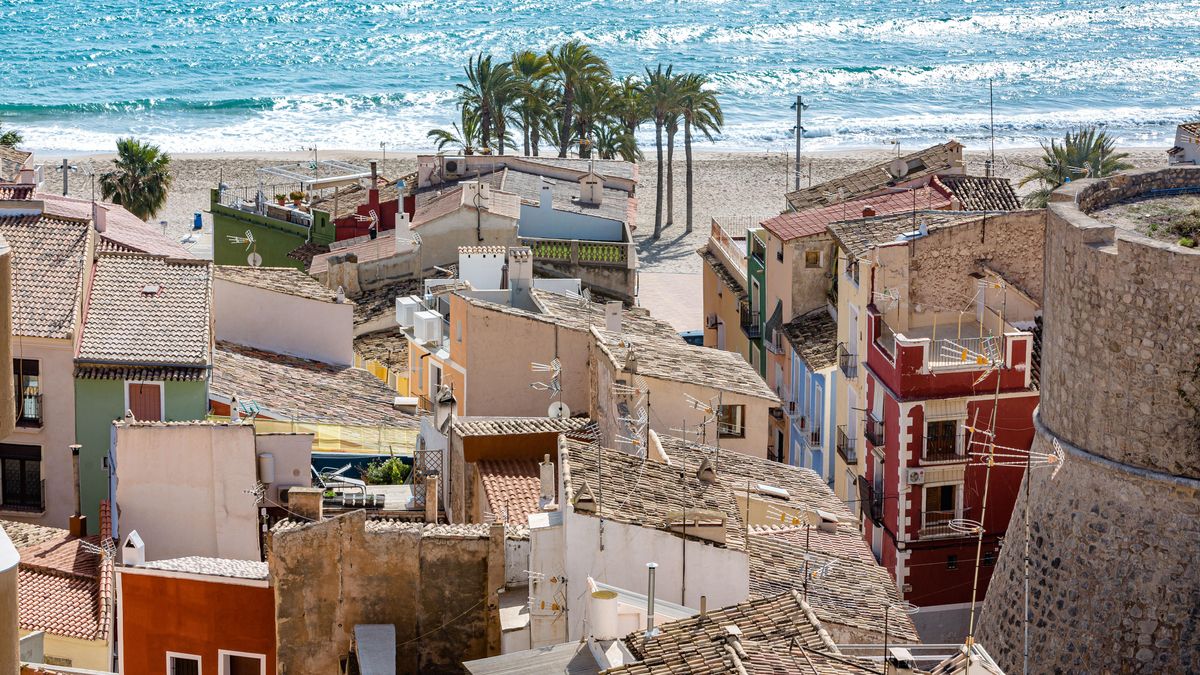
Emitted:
pixel 710 321
pixel 916 476
pixel 405 309
pixel 453 167
pixel 427 327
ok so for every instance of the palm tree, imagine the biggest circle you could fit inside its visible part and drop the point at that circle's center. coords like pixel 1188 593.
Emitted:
pixel 658 92
pixel 529 69
pixel 461 136
pixel 700 110
pixel 489 90
pixel 672 127
pixel 140 180
pixel 1084 152
pixel 612 141
pixel 591 109
pixel 627 104
pixel 9 138
pixel 573 65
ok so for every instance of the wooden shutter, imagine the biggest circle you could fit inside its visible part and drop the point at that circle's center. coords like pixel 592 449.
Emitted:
pixel 145 400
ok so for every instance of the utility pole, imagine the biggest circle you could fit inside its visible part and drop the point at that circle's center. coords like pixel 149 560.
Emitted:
pixel 799 107
pixel 992 129
pixel 66 169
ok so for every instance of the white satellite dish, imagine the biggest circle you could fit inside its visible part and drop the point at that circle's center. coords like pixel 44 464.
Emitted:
pixel 255 259
pixel 898 167
pixel 559 410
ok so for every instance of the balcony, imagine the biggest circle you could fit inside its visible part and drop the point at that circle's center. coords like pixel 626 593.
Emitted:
pixel 937 524
pixel 847 362
pixel 943 450
pixel 29 410
pixel 874 431
pixel 814 437
pixel 751 325
pixel 845 447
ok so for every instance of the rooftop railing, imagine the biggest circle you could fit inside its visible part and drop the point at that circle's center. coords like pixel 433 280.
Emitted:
pixel 580 252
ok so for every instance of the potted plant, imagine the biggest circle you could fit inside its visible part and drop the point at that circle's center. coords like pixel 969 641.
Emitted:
pixel 297 198
pixel 280 199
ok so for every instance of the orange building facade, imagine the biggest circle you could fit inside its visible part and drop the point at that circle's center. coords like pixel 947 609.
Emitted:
pixel 173 622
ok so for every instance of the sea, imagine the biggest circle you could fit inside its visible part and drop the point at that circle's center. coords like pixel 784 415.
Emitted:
pixel 254 75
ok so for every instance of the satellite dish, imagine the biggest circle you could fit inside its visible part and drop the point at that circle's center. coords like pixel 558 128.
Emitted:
pixel 559 410
pixel 255 259
pixel 898 167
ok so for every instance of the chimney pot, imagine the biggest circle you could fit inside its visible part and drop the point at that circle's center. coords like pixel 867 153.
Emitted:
pixel 868 212
pixel 546 197
pixel 133 552
pixel 77 524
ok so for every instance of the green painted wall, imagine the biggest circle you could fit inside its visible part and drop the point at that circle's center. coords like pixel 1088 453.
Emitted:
pixel 97 404
pixel 273 238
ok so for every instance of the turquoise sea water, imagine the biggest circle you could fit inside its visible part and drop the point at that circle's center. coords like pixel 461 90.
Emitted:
pixel 257 75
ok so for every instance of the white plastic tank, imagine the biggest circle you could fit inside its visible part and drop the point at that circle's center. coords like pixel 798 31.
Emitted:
pixel 266 468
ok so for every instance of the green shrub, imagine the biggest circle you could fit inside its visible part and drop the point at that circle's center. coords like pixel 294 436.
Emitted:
pixel 391 471
pixel 1189 242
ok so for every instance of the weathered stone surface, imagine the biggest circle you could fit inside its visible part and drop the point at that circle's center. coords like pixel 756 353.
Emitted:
pixel 1113 583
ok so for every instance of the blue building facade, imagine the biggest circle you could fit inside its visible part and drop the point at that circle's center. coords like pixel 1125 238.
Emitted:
pixel 812 359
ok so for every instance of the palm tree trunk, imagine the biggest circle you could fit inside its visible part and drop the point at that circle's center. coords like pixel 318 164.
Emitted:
pixel 525 131
pixel 670 178
pixel 535 139
pixel 564 128
pixel 687 159
pixel 658 187
pixel 500 129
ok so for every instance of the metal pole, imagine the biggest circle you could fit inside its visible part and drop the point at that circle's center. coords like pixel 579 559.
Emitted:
pixel 799 106
pixel 885 635
pixel 992 128
pixel 66 169
pixel 650 567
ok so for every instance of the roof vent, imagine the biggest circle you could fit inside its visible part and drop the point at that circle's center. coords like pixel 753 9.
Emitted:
pixel 584 500
pixel 771 491
pixel 151 289
pixel 706 474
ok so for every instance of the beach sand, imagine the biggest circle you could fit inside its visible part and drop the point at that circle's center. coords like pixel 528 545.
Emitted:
pixel 744 183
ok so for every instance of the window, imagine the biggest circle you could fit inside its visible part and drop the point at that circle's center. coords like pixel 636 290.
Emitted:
pixel 241 663
pixel 779 253
pixel 435 379
pixel 29 392
pixel 951 562
pixel 941 505
pixel 941 439
pixel 182 664
pixel 731 421
pixel 145 400
pixel 21 477
pixel 812 258
pixel 989 558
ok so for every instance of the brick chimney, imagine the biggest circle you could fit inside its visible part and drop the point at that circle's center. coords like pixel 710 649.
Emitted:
pixel 77 525
pixel 99 217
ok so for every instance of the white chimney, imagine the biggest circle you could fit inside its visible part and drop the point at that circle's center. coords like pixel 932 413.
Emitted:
pixel 602 613
pixel 235 411
pixel 546 469
pixel 650 631
pixel 546 198
pixel 341 295
pixel 404 243
pixel 591 188
pixel 612 316
pixel 134 550
pixel 99 216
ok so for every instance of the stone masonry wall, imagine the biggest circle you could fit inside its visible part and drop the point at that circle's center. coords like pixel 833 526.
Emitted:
pixel 436 588
pixel 1011 243
pixel 1116 534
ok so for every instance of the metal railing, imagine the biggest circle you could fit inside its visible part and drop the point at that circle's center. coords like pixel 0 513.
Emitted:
pixel 750 323
pixel 969 352
pixel 729 233
pixel 940 449
pixel 847 361
pixel 845 446
pixel 935 524
pixel 29 410
pixel 814 437
pixel 23 503
pixel 886 339
pixel 874 431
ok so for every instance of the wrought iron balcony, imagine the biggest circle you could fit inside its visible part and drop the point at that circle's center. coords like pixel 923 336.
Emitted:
pixel 845 446
pixel 938 524
pixel 750 323
pixel 29 410
pixel 847 362
pixel 814 437
pixel 874 431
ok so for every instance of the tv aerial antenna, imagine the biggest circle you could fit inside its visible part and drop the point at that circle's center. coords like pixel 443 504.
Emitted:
pixel 254 258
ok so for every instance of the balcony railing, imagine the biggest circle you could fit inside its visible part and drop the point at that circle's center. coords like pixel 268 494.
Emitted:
pixel 750 323
pixel 937 524
pixel 874 431
pixel 814 437
pixel 29 410
pixel 943 450
pixel 845 446
pixel 847 361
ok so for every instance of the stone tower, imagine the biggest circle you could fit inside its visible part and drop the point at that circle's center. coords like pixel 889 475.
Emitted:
pixel 1115 571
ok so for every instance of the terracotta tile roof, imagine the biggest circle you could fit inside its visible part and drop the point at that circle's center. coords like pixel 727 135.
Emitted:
pixel 124 230
pixel 63 587
pixel 977 193
pixel 860 236
pixel 814 337
pixel 366 250
pixel 16 191
pixel 95 371
pixel 700 645
pixel 503 204
pixel 12 161
pixel 310 391
pixel 775 657
pixel 148 310
pixel 677 361
pixel 573 311
pixel 307 251
pixel 726 277
pixel 614 203
pixel 815 220
pixel 213 567
pixel 513 488
pixel 47 270
pixel 935 159
pixel 383 525
pixel 349 198
pixel 507 426
pixel 1191 128
pixel 389 347
pixel 286 280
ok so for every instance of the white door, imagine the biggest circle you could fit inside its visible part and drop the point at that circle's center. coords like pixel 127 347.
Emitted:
pixel 720 334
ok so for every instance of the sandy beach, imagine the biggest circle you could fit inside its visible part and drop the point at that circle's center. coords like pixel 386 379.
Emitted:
pixel 727 183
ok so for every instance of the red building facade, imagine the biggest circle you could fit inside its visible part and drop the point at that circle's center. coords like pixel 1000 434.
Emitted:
pixel 928 426
pixel 218 619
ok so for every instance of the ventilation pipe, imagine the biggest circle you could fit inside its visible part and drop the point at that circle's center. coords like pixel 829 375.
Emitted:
pixel 650 630
pixel 78 522
pixel 546 469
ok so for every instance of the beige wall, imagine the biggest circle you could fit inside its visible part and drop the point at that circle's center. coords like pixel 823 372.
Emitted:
pixel 722 301
pixel 441 238
pixel 292 454
pixel 57 380
pixel 86 654
pixel 283 323
pixel 183 488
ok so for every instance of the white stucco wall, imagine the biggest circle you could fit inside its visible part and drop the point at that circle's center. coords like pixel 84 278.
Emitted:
pixel 287 324
pixel 183 488
pixel 292 455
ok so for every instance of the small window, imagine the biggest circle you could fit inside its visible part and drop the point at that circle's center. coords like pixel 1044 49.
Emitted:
pixel 731 422
pixel 21 477
pixel 952 562
pixel 239 663
pixel 779 253
pixel 183 664
pixel 29 392
pixel 812 258
pixel 941 439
